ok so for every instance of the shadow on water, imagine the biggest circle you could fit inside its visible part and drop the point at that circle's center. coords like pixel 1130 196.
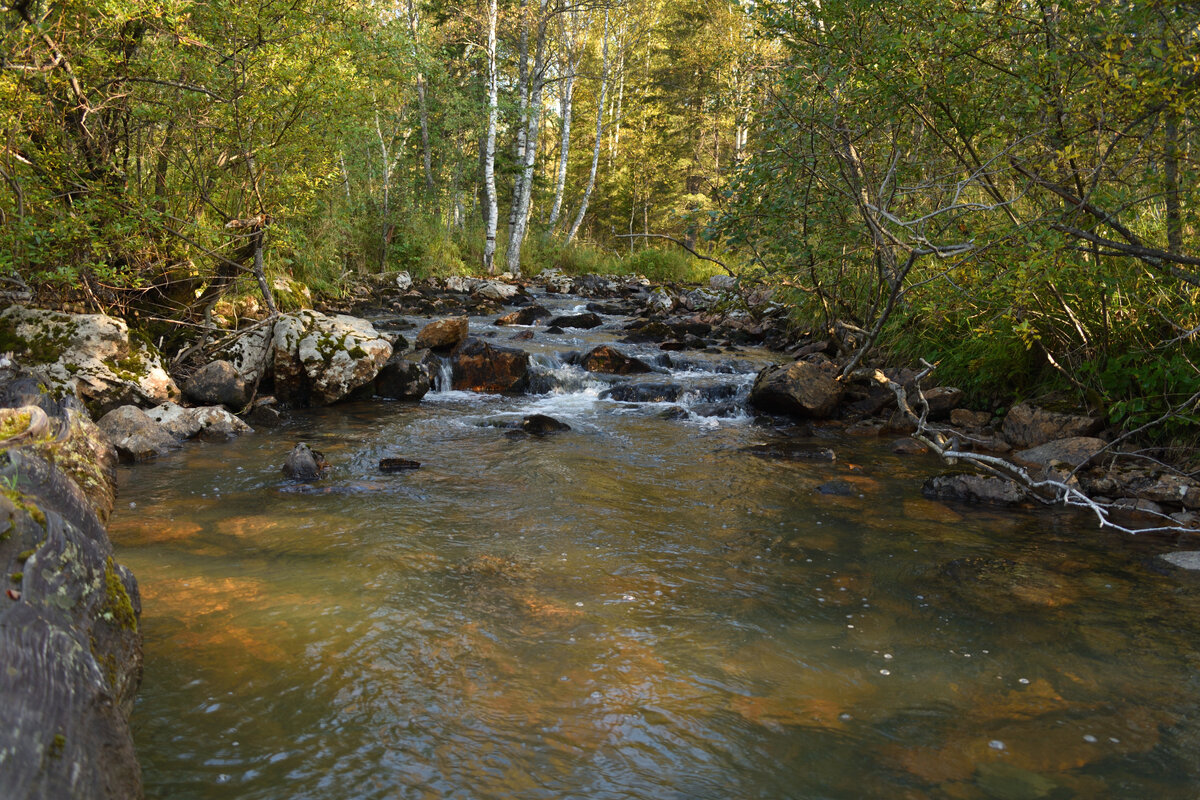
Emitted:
pixel 635 608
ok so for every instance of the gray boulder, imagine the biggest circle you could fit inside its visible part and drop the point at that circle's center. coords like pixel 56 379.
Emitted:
pixel 320 359
pixel 1026 425
pixel 218 383
pixel 802 389
pixel 305 464
pixel 212 423
pixel 135 434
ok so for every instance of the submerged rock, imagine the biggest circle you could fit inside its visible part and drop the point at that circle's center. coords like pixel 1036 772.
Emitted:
pixel 540 425
pixel 612 361
pixel 1184 559
pixel 397 465
pixel 90 356
pixel 644 393
pixel 305 464
pixel 801 389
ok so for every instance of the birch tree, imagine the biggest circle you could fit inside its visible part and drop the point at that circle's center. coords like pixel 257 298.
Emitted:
pixel 591 182
pixel 489 154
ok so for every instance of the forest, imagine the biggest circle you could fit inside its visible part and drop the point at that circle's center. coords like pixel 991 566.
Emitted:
pixel 1007 189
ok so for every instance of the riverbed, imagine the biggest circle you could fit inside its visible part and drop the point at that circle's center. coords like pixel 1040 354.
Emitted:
pixel 669 600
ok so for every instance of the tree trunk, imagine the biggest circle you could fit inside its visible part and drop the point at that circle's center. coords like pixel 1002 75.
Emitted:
pixel 489 158
pixel 566 95
pixel 414 21
pixel 591 184
pixel 1171 184
pixel 519 218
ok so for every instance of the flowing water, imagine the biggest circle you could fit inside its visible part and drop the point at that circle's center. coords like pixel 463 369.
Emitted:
pixel 650 605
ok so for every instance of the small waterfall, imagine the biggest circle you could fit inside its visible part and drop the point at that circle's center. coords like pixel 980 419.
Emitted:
pixel 443 379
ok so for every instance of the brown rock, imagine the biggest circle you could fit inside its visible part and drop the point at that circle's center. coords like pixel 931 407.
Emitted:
pixel 477 366
pixel 1073 451
pixel 941 400
pixel 909 447
pixel 442 334
pixel 1029 426
pixel 973 489
pixel 965 418
pixel 801 389
pixel 613 362
pixel 525 316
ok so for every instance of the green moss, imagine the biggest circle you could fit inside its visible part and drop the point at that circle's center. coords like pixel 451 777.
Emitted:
pixel 22 502
pixel 130 368
pixel 117 606
pixel 44 348
pixel 12 425
pixel 57 746
pixel 24 555
pixel 17 577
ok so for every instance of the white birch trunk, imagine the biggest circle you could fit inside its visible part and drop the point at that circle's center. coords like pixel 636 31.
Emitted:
pixel 489 157
pixel 591 184
pixel 523 80
pixel 519 216
pixel 564 150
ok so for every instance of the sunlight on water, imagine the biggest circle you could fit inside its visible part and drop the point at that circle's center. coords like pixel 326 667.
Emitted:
pixel 636 608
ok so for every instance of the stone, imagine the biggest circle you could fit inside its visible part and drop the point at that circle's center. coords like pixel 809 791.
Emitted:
pixel 460 284
pixel 909 447
pixel 965 487
pixel 305 464
pixel 403 281
pixel 557 283
pixel 965 418
pixel 404 377
pixel 217 383
pixel 89 356
pixel 265 412
pixel 320 359
pixel 136 436
pixel 612 361
pixel 595 286
pixel 442 334
pixel 541 424
pixel 792 451
pixel 941 400
pixel 477 366
pixel 837 488
pixel 725 283
pixel 643 393
pixel 70 646
pixel 212 423
pixel 529 315
pixel 1073 451
pixel 398 465
pixel 802 389
pixel 496 290
pixel 1027 426
pixel 252 352
pixel 1184 559
pixel 661 301
pixel 584 320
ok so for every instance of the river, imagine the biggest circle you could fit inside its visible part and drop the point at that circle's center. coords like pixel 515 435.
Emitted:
pixel 653 604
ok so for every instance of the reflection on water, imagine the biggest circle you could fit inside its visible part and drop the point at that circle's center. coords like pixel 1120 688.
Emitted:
pixel 638 608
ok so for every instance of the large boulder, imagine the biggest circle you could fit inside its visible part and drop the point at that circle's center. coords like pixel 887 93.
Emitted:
pixel 404 377
pixel 251 353
pixel 70 648
pixel 135 434
pixel 802 389
pixel 528 315
pixel 585 320
pixel 320 359
pixel 90 356
pixel 442 334
pixel 1026 425
pixel 496 290
pixel 612 361
pixel 218 383
pixel 477 366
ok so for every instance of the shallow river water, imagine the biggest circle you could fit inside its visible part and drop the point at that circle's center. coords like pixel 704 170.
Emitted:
pixel 640 607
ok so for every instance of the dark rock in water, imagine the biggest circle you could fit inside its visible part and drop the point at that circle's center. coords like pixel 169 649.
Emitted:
pixel 792 451
pixel 645 331
pixel 522 336
pixel 481 367
pixel 540 425
pixel 724 410
pixel 265 412
pixel 218 383
pixel 644 393
pixel 136 436
pixel 909 447
pixel 675 413
pixel 612 309
pixel 554 329
pixel 526 316
pixel 397 464
pixel 70 647
pixel 613 362
pixel 837 488
pixel 801 389
pixel 305 464
pixel 585 320
pixel 403 377
pixel 970 488
pixel 442 334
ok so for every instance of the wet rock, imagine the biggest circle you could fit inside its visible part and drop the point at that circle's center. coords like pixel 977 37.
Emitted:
pixel 305 464
pixel 792 451
pixel 722 410
pixel 522 336
pixel 968 488
pixel 265 412
pixel 1027 426
pixel 1073 452
pixel 644 393
pixel 554 329
pixel 647 331
pixel 212 423
pixel 477 366
pixel 837 488
pixel 442 334
pixel 217 383
pixel 1184 559
pixel 801 389
pixel 541 424
pixel 909 447
pixel 612 361
pixel 965 418
pixel 90 356
pixel 320 359
pixel 404 377
pixel 136 436
pixel 1135 511
pixel 397 465
pixel 611 309
pixel 585 320
pixel 675 413
pixel 529 315
pixel 70 648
